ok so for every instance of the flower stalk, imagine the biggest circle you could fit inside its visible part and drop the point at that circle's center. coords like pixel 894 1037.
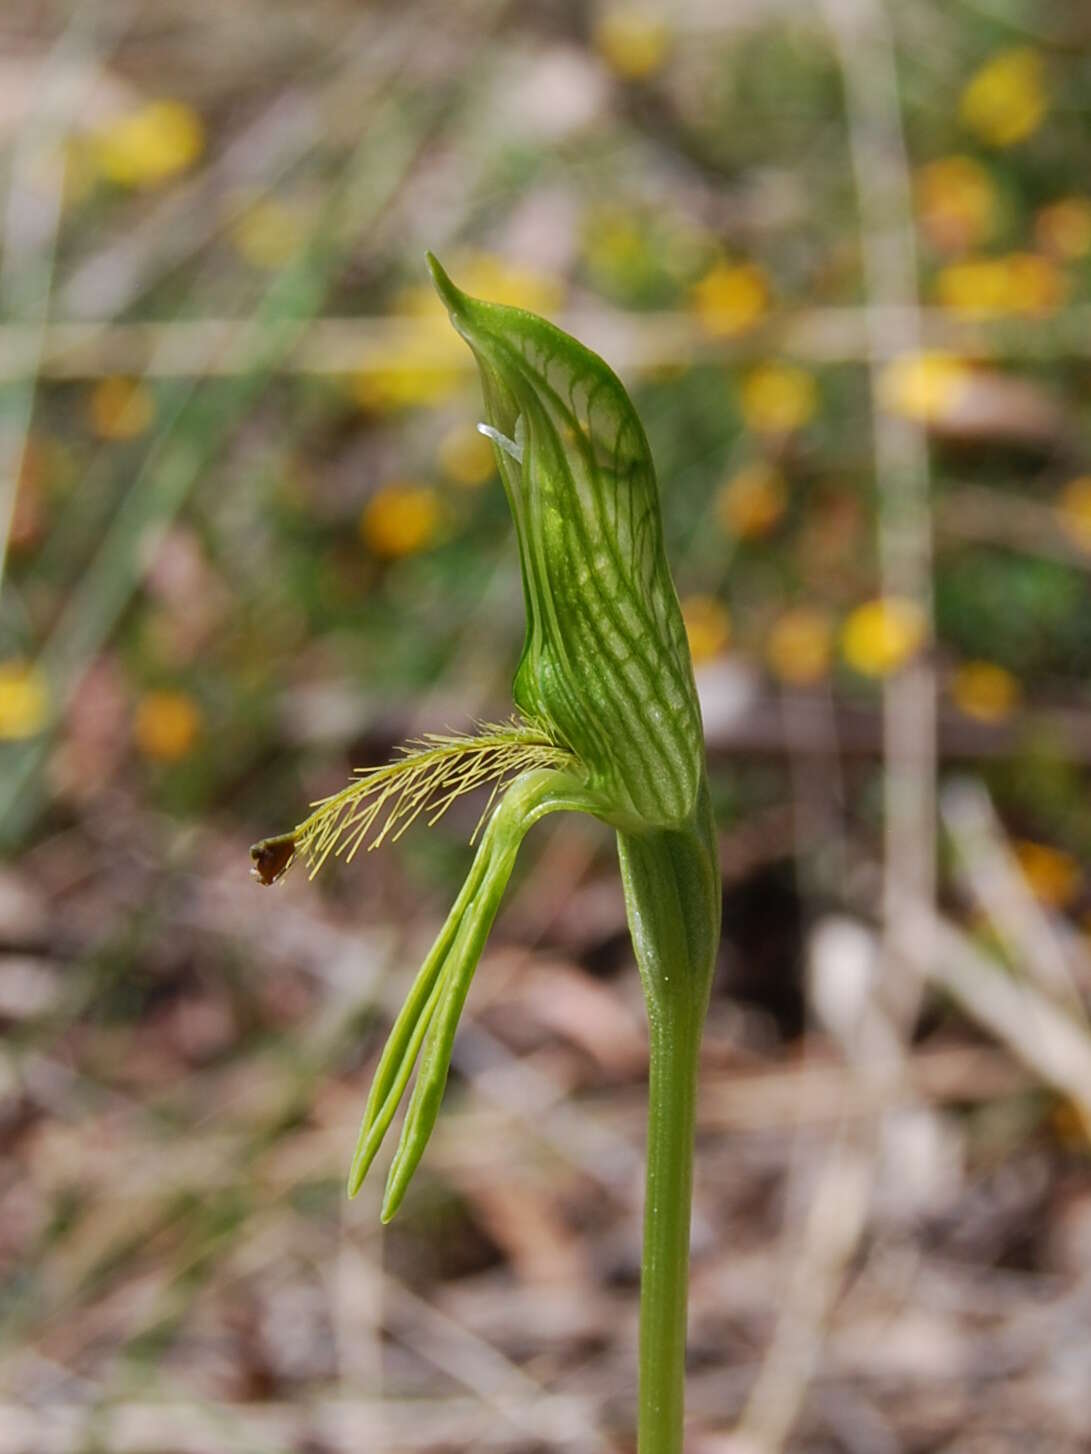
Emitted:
pixel 610 725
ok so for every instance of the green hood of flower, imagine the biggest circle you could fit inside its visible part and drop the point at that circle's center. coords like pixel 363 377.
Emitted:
pixel 605 664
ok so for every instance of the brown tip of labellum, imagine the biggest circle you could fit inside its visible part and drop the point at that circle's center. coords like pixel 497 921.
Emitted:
pixel 272 856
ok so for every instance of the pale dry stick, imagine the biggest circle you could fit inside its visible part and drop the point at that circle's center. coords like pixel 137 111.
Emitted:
pixel 343 1425
pixel 842 975
pixel 838 1212
pixel 865 45
pixel 603 1153
pixel 268 148
pixel 191 214
pixel 480 1367
pixel 253 162
pixel 836 1216
pixel 354 1287
pixel 1056 1047
pixel 171 235
pixel 845 977
pixel 76 349
pixel 992 873
pixel 510 1392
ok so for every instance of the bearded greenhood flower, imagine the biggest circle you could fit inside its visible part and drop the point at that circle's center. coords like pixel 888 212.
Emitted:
pixel 609 725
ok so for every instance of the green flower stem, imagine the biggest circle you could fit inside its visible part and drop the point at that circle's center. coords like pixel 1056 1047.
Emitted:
pixel 672 891
pixel 672 1099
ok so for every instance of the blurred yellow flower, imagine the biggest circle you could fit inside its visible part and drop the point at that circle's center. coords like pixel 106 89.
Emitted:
pixel 799 648
pixel 1005 101
pixel 1064 228
pixel 1018 282
pixel 927 387
pixel 632 41
pixel 752 501
pixel 148 146
pixel 1073 510
pixel 428 362
pixel 401 519
pixel 421 366
pixel 408 376
pixel 166 725
pixel 778 398
pixel 466 456
pixel 708 626
pixel 270 233
pixel 24 700
pixel 880 636
pixel 120 408
pixel 956 202
pixel 985 691
pixel 1053 876
pixel 498 280
pixel 730 298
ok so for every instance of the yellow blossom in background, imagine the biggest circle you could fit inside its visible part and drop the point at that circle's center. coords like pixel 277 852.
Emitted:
pixel 497 279
pixel 708 626
pixel 422 364
pixel 466 456
pixel 1053 876
pixel 752 501
pixel 632 41
pixel 120 408
pixel 799 647
pixel 927 387
pixel 409 376
pixel 1064 228
pixel 270 233
pixel 778 398
pixel 984 691
pixel 426 362
pixel 956 203
pixel 730 298
pixel 148 146
pixel 1019 282
pixel 401 519
pixel 882 635
pixel 24 700
pixel 1073 510
pixel 166 725
pixel 1005 101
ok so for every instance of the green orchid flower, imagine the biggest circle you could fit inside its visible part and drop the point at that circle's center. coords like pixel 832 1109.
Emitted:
pixel 609 725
